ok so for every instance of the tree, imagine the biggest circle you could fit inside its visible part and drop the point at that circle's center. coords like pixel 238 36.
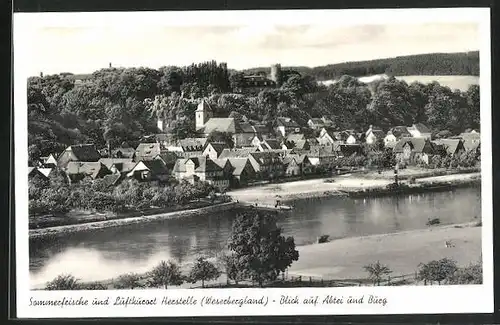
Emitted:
pixel 472 274
pixel 203 271
pixel 127 281
pixel 229 263
pixel 165 274
pixel 63 282
pixel 377 271
pixel 437 271
pixel 259 249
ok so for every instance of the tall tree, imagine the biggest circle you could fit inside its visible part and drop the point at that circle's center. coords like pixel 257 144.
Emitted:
pixel 260 251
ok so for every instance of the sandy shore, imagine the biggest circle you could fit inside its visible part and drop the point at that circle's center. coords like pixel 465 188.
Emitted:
pixel 319 187
pixel 402 252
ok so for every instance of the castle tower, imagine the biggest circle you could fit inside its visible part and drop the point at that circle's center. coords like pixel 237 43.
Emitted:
pixel 203 114
pixel 276 74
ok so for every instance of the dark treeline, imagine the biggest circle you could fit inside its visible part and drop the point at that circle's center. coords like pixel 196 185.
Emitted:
pixel 423 64
pixel 117 105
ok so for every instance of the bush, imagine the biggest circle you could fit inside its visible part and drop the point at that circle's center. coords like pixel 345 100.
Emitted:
pixel 437 271
pixel 127 281
pixel 324 239
pixel 472 274
pixel 93 286
pixel 433 221
pixel 63 282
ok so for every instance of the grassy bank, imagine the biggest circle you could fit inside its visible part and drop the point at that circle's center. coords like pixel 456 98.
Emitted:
pixel 92 226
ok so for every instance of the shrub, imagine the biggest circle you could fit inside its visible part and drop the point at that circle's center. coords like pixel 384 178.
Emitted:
pixel 93 286
pixel 63 282
pixel 472 274
pixel 127 281
pixel 323 239
pixel 203 271
pixel 164 274
pixel 437 271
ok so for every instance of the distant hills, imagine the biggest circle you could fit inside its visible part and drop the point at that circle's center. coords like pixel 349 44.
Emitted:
pixel 463 63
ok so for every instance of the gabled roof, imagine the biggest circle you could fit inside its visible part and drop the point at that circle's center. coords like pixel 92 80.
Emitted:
pixel 91 169
pixel 205 164
pixel 451 145
pixel 237 153
pixel 168 157
pixel 300 144
pixel 126 152
pixel 316 151
pixel 180 165
pixel 294 137
pixel 246 128
pixel 192 144
pixel 286 122
pixel 45 171
pixel 316 120
pixel 125 167
pixel 268 157
pixel 147 151
pixel 271 144
pixel 418 145
pixel 217 146
pixel 112 179
pixel 156 166
pixel 108 162
pixel 470 136
pixel 239 165
pixel 471 145
pixel 85 152
pixel 376 131
pixel 221 124
pixel 422 128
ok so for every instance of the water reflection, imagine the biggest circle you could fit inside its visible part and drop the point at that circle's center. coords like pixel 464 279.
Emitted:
pixel 109 252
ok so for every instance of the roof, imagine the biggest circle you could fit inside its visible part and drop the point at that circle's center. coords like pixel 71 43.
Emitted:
pixel 180 165
pixel 246 128
pixel 316 120
pixel 126 152
pixel 156 166
pixel 108 162
pixel 294 137
pixel 112 179
pixel 237 153
pixel 85 152
pixel 91 169
pixel 300 144
pixel 471 145
pixel 286 122
pixel 217 146
pixel 419 127
pixel 271 144
pixel 221 124
pixel 147 151
pixel 451 145
pixel 238 165
pixel 168 157
pixel 125 167
pixel 268 157
pixel 417 144
pixel 205 164
pixel 317 150
pixel 192 144
pixel 45 171
pixel 376 131
pixel 399 131
pixel 470 136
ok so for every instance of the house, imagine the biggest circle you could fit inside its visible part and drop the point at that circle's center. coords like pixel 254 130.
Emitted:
pixel 299 145
pixel 165 140
pixel 243 171
pixel 214 149
pixel 124 151
pixel 452 147
pixel 34 172
pixel 414 150
pixel 394 135
pixel 45 171
pixel 79 152
pixel 203 169
pixel 49 162
pixel 352 138
pixel 419 130
pixel 78 170
pixel 268 164
pixel 347 149
pixel 192 144
pixel 472 136
pixel 149 170
pixel 168 158
pixel 122 168
pixel 374 134
pixel 237 152
pixel 110 162
pixel 285 125
pixel 329 136
pixel 147 151
pixel 269 144
pixel 323 155
pixel 315 123
pixel 297 165
pixel 112 180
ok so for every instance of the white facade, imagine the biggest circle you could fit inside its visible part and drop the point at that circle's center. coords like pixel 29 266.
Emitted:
pixel 351 139
pixel 390 138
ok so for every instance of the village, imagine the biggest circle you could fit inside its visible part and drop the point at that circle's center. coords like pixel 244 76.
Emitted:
pixel 258 154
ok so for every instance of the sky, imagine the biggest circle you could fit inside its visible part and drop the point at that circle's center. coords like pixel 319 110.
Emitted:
pixel 81 49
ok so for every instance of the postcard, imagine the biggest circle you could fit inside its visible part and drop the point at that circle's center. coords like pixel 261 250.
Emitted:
pixel 275 162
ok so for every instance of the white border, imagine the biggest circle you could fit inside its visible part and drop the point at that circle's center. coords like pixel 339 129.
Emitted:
pixel 436 299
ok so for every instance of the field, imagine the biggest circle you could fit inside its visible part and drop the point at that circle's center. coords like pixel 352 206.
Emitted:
pixel 454 82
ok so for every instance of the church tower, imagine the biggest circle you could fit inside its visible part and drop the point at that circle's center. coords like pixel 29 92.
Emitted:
pixel 203 114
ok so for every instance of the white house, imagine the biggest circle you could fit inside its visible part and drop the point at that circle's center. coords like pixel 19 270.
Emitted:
pixel 374 134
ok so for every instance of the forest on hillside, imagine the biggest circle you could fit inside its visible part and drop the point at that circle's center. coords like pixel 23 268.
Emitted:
pixel 117 105
pixel 466 63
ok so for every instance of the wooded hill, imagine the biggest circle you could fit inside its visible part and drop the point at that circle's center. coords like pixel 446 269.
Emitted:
pixel 464 63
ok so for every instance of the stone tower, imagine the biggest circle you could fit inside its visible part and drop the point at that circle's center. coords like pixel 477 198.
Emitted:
pixel 276 74
pixel 203 114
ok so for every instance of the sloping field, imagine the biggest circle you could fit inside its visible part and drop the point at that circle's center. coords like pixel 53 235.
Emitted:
pixel 454 82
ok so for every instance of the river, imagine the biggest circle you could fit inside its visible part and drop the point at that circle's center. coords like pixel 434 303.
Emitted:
pixel 137 248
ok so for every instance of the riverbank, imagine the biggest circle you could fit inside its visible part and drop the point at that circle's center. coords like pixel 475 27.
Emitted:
pixel 343 259
pixel 92 226
pixel 337 185
pixel 401 252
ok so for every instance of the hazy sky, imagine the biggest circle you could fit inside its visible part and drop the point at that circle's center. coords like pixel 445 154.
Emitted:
pixel 81 49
